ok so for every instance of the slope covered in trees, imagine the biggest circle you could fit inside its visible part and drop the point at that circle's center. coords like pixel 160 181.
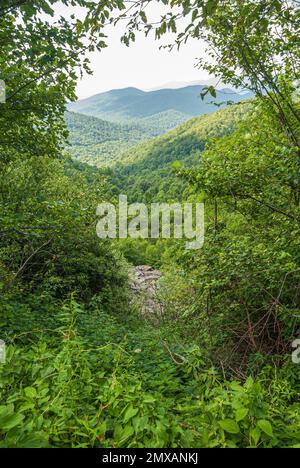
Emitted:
pixel 146 172
pixel 104 144
pixel 101 143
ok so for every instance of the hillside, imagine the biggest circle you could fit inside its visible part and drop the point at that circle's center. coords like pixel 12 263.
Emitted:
pixel 135 104
pixel 98 142
pixel 101 143
pixel 104 127
pixel 146 169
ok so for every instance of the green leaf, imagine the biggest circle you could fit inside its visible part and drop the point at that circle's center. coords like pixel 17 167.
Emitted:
pixel 36 440
pixel 30 392
pixel 149 399
pixel 11 421
pixel 130 413
pixel 101 429
pixel 255 435
pixel 46 7
pixel 6 411
pixel 241 414
pixel 266 427
pixel 127 432
pixel 229 425
pixel 143 16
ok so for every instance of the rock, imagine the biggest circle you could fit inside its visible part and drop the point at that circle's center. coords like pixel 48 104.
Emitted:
pixel 145 286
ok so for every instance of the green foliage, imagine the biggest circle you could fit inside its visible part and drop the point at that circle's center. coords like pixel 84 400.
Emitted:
pixel 38 62
pixel 244 281
pixel 83 368
pixel 77 389
pixel 146 173
pixel 48 230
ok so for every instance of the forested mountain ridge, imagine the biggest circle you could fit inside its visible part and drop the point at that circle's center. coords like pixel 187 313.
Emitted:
pixel 99 142
pixel 87 130
pixel 102 143
pixel 145 171
pixel 135 116
pixel 196 132
pixel 105 144
pixel 132 103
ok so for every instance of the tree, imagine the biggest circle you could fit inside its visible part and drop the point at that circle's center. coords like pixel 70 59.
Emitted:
pixel 41 58
pixel 41 207
pixel 252 44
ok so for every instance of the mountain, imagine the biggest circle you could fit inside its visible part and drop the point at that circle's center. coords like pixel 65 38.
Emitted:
pixel 145 172
pixel 184 84
pixel 105 126
pixel 87 130
pixel 101 143
pixel 98 142
pixel 132 104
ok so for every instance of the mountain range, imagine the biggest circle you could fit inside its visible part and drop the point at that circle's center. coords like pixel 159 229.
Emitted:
pixel 132 104
pixel 105 126
pixel 183 84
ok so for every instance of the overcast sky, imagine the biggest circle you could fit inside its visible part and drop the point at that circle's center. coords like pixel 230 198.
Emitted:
pixel 141 65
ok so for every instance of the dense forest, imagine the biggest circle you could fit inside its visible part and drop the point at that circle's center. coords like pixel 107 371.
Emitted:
pixel 217 364
pixel 100 142
pixel 103 143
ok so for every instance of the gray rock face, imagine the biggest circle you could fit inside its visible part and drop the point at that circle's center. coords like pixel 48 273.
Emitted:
pixel 145 286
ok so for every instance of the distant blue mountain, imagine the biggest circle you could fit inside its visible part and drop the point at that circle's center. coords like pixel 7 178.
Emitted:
pixel 131 104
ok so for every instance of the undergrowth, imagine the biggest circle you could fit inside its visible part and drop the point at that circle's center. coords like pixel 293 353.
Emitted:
pixel 123 384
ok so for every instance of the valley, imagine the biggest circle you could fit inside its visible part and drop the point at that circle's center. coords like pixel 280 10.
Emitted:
pixel 104 127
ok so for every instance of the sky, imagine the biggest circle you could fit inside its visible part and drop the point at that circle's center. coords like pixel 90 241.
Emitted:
pixel 142 65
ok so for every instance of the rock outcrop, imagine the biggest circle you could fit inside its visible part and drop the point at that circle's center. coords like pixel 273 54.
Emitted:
pixel 145 286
